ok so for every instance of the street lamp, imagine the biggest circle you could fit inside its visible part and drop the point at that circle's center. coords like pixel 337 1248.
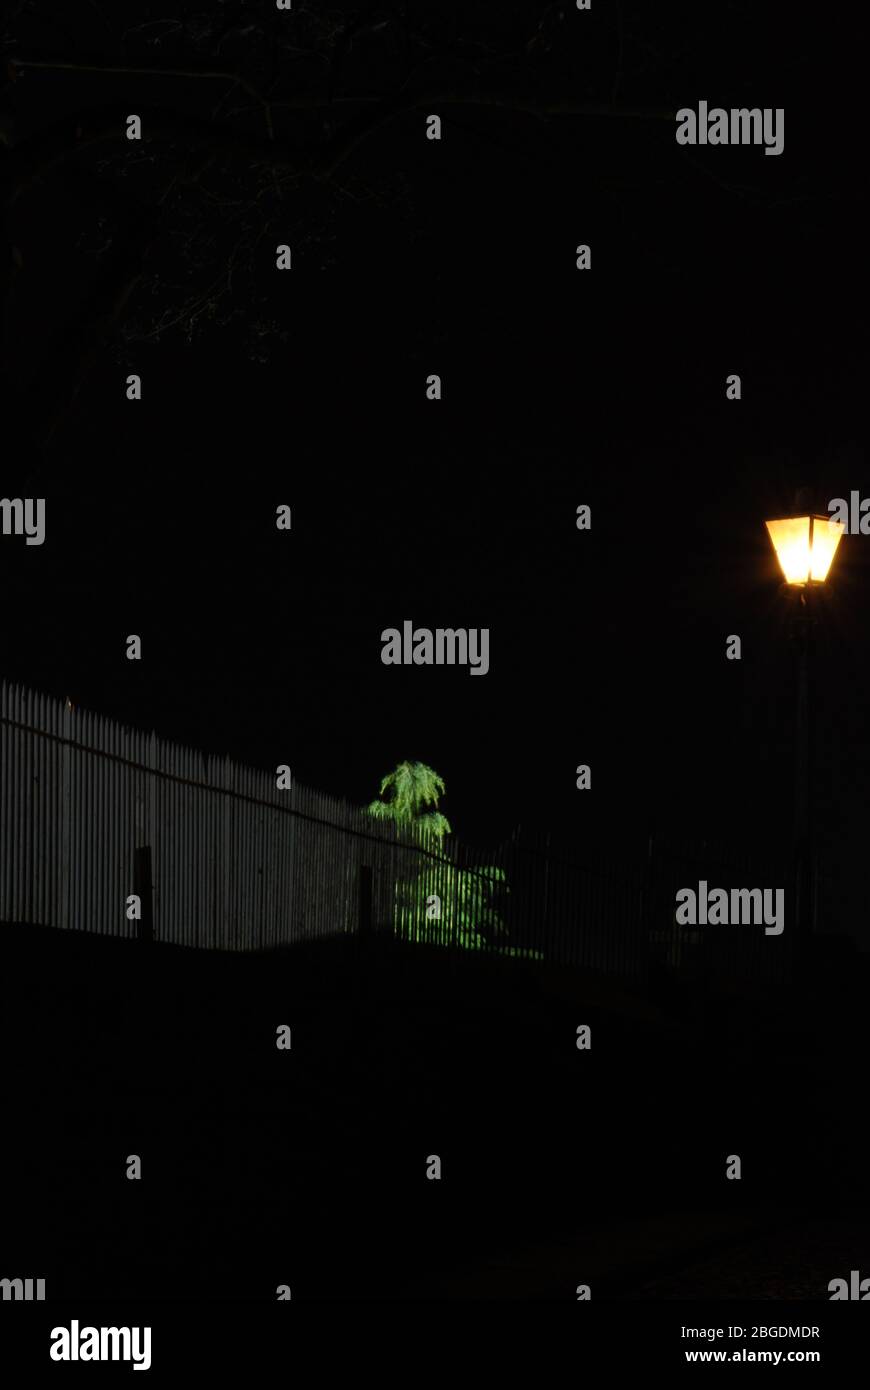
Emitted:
pixel 805 547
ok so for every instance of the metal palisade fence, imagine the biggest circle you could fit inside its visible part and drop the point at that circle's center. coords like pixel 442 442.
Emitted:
pixel 738 950
pixel 237 863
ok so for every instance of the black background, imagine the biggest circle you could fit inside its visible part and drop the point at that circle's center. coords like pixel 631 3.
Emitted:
pixel 559 388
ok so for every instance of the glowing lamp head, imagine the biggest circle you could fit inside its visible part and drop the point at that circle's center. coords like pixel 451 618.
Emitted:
pixel 805 547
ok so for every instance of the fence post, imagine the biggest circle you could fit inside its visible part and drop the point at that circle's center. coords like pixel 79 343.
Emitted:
pixel 365 902
pixel 648 904
pixel 142 888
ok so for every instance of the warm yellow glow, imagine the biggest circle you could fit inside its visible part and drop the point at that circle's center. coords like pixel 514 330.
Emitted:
pixel 804 560
pixel 791 541
pixel 826 538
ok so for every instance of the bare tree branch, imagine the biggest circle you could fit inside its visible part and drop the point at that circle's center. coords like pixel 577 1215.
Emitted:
pixel 35 156
pixel 146 69
pixel 81 344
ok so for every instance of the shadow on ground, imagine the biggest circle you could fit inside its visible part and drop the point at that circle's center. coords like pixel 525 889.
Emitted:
pixel 307 1167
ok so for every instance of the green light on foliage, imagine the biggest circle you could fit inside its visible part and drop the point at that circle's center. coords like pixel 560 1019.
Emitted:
pixel 437 901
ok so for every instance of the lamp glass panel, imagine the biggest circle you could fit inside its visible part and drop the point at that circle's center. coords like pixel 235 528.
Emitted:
pixel 826 538
pixel 791 541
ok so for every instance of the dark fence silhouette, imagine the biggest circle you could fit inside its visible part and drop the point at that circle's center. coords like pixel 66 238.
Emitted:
pixel 629 914
pixel 735 950
pixel 92 812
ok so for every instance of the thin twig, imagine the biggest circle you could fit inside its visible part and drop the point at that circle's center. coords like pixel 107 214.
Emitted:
pixel 146 70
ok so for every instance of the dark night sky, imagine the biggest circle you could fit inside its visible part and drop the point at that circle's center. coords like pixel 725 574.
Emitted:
pixel 559 388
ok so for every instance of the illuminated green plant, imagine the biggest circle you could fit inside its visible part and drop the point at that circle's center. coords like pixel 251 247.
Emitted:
pixel 406 794
pixel 436 901
pixel 444 905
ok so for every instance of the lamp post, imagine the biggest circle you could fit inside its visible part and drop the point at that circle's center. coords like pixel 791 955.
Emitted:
pixel 805 548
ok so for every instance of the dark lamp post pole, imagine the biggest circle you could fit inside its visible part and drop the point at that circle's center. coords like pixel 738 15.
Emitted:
pixel 805 547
